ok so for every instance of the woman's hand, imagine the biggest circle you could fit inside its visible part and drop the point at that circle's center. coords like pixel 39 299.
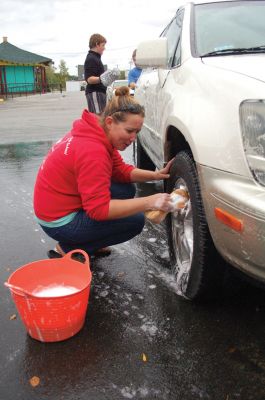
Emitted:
pixel 160 201
pixel 164 172
pixel 119 208
pixel 144 175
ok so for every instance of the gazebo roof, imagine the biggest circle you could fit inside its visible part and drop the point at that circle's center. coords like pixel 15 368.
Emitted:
pixel 12 54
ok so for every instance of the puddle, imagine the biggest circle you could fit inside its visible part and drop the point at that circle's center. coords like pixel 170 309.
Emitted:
pixel 18 154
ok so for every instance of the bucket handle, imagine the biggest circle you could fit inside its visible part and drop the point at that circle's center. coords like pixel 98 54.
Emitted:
pixel 69 255
pixel 24 292
pixel 21 291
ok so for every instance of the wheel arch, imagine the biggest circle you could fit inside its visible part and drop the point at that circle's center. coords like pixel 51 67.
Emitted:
pixel 175 142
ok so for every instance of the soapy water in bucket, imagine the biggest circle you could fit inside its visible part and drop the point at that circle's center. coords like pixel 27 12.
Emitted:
pixel 52 296
pixel 54 290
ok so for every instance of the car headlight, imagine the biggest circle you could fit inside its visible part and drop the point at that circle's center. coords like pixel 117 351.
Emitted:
pixel 252 120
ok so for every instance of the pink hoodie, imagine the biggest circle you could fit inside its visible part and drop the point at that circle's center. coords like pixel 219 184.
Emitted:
pixel 77 173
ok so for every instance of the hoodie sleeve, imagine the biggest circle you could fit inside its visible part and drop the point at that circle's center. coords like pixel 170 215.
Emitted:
pixel 121 171
pixel 93 168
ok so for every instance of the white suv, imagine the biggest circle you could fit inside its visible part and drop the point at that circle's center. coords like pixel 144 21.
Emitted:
pixel 203 88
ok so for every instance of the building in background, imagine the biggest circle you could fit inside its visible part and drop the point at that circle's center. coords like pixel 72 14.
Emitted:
pixel 21 71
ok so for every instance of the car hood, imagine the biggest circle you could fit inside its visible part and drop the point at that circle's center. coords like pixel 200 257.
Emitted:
pixel 251 65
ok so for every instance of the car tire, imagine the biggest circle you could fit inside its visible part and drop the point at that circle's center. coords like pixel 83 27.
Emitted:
pixel 142 159
pixel 194 259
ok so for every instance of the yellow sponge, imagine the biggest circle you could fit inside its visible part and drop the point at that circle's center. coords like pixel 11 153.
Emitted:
pixel 179 199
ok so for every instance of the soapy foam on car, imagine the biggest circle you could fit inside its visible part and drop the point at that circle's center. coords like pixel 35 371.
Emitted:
pixel 54 290
pixel 175 199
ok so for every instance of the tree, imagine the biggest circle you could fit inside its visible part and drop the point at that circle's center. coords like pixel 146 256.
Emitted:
pixel 56 80
pixel 63 74
pixel 63 68
pixel 122 75
pixel 53 81
pixel 51 77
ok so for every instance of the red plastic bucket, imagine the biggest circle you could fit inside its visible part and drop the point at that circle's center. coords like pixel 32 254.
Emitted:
pixel 51 296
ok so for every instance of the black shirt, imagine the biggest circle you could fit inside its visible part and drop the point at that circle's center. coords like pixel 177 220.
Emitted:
pixel 94 67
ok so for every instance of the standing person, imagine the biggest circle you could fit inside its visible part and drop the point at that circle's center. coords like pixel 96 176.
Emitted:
pixel 84 191
pixel 93 68
pixel 134 73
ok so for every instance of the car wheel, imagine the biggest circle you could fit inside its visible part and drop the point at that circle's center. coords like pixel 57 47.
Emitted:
pixel 194 259
pixel 142 159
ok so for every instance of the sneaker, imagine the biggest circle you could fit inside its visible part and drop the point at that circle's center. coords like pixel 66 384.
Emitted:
pixel 53 254
pixel 104 252
pixel 77 256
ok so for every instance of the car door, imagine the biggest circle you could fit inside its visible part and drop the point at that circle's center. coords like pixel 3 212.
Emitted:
pixel 155 96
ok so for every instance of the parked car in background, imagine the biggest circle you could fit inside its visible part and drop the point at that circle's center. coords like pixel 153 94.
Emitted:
pixel 118 83
pixel 203 89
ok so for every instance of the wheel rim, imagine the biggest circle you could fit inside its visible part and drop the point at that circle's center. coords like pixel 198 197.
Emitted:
pixel 182 241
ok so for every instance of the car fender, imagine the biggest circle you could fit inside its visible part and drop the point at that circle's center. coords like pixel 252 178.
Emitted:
pixel 205 109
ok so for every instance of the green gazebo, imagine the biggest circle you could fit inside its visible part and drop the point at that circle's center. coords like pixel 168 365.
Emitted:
pixel 21 71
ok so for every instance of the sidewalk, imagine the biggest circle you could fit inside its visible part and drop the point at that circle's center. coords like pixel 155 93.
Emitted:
pixel 35 116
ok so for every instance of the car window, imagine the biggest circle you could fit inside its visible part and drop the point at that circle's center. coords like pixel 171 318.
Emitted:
pixel 227 26
pixel 173 34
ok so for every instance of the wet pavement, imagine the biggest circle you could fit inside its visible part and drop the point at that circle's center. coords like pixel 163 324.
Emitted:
pixel 140 340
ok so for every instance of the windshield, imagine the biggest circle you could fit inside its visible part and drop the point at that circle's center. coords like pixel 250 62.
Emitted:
pixel 222 27
pixel 120 83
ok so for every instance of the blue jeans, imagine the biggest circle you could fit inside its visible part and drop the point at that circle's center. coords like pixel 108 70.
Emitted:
pixel 90 235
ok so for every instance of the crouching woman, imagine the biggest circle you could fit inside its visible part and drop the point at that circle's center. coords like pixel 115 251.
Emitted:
pixel 84 191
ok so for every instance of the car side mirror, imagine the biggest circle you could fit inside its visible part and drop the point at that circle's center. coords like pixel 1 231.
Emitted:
pixel 152 53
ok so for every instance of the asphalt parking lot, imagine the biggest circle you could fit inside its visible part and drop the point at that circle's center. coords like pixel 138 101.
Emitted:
pixel 140 340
